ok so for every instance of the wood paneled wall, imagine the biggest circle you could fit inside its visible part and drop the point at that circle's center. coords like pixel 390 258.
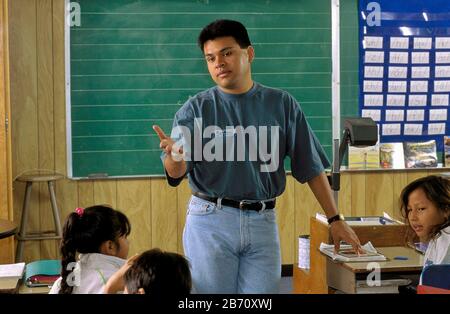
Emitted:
pixel 156 211
pixel 6 245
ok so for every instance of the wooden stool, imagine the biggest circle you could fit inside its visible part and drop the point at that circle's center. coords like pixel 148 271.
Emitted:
pixel 42 235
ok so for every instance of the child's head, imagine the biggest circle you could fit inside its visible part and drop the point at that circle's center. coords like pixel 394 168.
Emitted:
pixel 158 272
pixel 426 206
pixel 96 229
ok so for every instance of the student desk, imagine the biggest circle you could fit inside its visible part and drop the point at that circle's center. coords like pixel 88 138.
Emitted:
pixel 13 286
pixel 324 276
pixel 24 289
pixel 352 277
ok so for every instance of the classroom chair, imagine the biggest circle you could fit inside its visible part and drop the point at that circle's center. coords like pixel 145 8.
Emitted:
pixel 435 280
pixel 23 236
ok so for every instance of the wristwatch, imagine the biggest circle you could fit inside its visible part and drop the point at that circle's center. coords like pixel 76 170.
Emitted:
pixel 335 218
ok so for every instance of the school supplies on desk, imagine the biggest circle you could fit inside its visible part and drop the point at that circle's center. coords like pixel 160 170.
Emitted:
pixel 42 273
pixel 12 270
pixel 363 221
pixel 347 254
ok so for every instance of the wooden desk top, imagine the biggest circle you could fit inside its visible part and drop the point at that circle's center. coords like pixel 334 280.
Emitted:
pixel 413 263
pixel 7 228
pixel 24 289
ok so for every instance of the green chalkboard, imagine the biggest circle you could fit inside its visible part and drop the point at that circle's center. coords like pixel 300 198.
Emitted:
pixel 134 63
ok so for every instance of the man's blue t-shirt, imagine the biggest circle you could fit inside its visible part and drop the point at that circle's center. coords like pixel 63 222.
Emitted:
pixel 236 143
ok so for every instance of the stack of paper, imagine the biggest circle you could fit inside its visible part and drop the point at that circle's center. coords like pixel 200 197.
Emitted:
pixel 12 270
pixel 347 254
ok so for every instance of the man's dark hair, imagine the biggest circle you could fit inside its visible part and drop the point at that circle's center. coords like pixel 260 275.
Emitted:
pixel 224 28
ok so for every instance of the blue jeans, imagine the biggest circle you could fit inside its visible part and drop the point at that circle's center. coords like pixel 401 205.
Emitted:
pixel 232 250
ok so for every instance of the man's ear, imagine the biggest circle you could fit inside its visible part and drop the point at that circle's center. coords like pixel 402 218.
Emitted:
pixel 251 53
pixel 140 291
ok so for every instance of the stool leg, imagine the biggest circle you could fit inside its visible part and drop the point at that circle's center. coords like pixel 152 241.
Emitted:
pixel 51 189
pixel 23 222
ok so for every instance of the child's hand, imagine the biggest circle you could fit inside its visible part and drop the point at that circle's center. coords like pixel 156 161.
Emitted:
pixel 116 283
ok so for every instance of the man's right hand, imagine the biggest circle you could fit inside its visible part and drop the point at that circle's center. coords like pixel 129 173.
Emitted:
pixel 168 145
pixel 174 163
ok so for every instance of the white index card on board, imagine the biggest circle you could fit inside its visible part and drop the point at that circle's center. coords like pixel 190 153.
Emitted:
pixel 415 115
pixel 436 128
pixel 390 129
pixel 413 129
pixel 438 115
pixel 399 42
pixel 439 100
pixel 373 42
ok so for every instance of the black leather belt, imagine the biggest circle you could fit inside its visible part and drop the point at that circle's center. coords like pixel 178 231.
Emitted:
pixel 244 205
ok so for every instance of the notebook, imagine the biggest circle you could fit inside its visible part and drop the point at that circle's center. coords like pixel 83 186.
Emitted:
pixel 42 273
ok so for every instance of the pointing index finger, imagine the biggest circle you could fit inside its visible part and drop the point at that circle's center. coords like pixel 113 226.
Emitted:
pixel 160 132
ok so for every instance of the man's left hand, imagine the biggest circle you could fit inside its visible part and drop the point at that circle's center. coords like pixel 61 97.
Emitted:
pixel 340 230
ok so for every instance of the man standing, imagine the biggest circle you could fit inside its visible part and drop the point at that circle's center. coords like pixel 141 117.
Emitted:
pixel 231 141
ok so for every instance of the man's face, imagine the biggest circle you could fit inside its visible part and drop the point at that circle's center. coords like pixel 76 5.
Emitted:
pixel 229 64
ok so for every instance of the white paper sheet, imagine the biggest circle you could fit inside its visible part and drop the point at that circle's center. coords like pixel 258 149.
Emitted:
pixel 395 115
pixel 374 57
pixel 413 129
pixel 415 115
pixel 418 86
pixel 436 128
pixel 391 129
pixel 422 43
pixel 417 100
pixel 373 42
pixel 397 86
pixel 399 42
pixel 442 43
pixel 395 100
pixel 398 57
pixel 420 57
pixel 439 100
pixel 441 86
pixel 442 57
pixel 442 71
pixel 369 113
pixel 438 114
pixel 373 72
pixel 373 86
pixel 12 270
pixel 420 72
pixel 398 72
pixel 373 100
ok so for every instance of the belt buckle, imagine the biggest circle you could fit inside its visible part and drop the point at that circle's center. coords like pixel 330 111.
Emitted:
pixel 243 203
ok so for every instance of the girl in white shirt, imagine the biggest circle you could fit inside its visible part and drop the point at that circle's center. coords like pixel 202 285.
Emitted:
pixel 426 205
pixel 99 235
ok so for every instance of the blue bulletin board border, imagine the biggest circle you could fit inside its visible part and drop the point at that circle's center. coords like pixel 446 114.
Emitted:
pixel 411 19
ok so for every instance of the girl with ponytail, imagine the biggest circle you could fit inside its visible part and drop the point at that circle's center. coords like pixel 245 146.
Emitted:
pixel 94 246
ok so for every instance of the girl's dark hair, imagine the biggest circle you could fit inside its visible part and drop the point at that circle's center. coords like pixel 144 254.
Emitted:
pixel 159 272
pixel 224 28
pixel 437 190
pixel 85 233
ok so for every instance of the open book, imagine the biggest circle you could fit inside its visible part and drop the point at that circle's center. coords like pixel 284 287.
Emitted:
pixel 346 253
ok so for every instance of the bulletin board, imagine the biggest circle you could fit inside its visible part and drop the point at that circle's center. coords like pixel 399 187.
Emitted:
pixel 404 68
